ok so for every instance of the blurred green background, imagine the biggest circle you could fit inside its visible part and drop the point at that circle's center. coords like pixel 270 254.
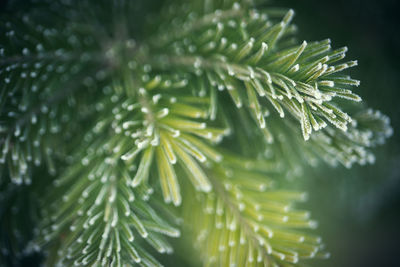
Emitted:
pixel 359 209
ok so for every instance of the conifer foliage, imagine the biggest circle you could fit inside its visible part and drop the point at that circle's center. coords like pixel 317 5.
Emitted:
pixel 129 128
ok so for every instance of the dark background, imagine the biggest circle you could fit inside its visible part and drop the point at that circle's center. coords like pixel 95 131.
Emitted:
pixel 358 209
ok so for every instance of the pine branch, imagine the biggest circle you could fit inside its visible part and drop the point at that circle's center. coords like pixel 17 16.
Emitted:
pixel 259 72
pixel 110 223
pixel 205 99
pixel 246 222
pixel 109 171
pixel 151 128
pixel 34 111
